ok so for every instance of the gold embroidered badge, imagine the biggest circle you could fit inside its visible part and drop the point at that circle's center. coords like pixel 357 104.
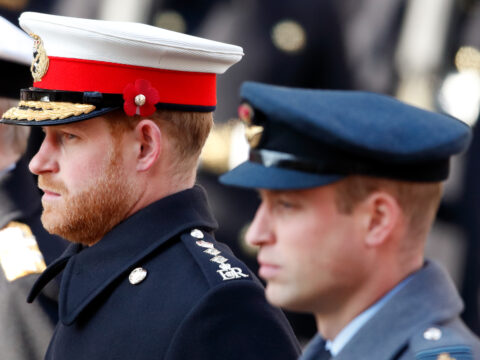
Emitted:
pixel 19 252
pixel 40 59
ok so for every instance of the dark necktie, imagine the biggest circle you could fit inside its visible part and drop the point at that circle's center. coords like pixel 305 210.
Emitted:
pixel 316 350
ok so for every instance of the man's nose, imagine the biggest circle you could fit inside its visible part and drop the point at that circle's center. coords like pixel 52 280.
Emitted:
pixel 259 232
pixel 44 160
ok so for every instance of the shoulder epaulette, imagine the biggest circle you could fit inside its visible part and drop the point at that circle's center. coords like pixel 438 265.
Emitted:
pixel 440 343
pixel 216 261
pixel 19 252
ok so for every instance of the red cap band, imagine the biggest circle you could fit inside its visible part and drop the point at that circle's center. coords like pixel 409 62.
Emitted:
pixel 174 87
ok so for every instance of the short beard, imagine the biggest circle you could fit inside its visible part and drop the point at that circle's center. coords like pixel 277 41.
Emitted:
pixel 87 216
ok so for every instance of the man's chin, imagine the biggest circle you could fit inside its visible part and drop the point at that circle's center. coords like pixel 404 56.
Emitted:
pixel 56 224
pixel 48 216
pixel 281 297
pixel 52 222
pixel 275 295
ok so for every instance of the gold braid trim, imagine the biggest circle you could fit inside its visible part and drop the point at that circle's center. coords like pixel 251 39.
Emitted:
pixel 41 110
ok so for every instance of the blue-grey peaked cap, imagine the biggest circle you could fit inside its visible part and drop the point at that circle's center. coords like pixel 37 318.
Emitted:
pixel 315 137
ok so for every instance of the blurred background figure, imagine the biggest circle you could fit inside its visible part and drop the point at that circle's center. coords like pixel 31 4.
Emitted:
pixel 25 247
pixel 423 52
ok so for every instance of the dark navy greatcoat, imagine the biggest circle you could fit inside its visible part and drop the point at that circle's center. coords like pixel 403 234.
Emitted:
pixel 25 246
pixel 197 300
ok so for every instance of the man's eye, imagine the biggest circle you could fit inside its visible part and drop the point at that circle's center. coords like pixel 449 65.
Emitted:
pixel 68 136
pixel 285 204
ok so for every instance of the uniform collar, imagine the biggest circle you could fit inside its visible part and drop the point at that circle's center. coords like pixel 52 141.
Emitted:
pixel 357 323
pixel 429 297
pixel 90 270
pixel 18 194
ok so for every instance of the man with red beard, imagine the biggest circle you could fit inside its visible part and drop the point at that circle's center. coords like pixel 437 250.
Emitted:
pixel 126 109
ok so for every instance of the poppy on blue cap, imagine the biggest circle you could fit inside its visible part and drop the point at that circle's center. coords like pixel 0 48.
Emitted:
pixel 303 138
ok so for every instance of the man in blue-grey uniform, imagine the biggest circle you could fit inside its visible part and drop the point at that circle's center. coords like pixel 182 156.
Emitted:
pixel 350 183
pixel 126 108
pixel 25 247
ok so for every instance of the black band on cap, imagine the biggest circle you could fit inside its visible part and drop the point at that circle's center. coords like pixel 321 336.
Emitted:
pixel 181 107
pixel 423 172
pixel 77 97
pixel 100 100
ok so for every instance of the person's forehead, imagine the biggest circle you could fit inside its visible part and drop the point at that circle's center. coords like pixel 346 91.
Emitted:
pixel 91 125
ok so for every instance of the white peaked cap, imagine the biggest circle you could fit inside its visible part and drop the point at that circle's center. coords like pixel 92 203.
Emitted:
pixel 129 43
pixel 85 68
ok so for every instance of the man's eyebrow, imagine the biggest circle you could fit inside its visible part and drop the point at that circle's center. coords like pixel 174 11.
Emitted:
pixel 68 128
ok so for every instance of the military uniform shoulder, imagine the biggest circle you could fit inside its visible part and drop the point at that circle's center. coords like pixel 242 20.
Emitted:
pixel 19 252
pixel 447 342
pixel 215 259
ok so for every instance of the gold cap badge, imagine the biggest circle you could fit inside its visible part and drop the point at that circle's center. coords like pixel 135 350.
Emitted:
pixel 253 133
pixel 40 59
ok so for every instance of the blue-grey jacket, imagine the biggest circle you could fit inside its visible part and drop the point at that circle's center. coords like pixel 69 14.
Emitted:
pixel 158 286
pixel 420 322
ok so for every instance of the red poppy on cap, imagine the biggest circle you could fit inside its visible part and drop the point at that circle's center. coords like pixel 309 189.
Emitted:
pixel 245 112
pixel 140 98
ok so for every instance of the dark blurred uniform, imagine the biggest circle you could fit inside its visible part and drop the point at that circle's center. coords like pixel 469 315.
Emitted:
pixel 25 249
pixel 287 43
pixel 465 212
